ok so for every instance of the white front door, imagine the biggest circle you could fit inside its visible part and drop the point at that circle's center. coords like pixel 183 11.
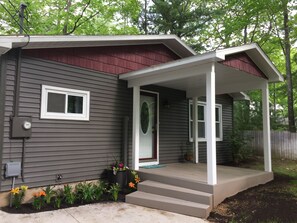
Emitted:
pixel 148 127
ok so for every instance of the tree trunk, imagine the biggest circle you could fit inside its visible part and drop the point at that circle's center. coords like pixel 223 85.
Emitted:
pixel 287 52
pixel 67 9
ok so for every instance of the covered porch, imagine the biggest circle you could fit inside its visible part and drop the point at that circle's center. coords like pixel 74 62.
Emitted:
pixel 230 180
pixel 226 71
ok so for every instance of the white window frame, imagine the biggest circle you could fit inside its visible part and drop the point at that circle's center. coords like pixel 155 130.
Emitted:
pixel 44 114
pixel 201 103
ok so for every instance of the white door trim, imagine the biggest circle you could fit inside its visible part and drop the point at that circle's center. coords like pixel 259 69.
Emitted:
pixel 143 163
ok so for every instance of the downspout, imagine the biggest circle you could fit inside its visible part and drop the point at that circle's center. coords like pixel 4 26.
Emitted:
pixel 16 101
pixel 3 62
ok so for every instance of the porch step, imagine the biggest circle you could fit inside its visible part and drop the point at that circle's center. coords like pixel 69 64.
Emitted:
pixel 167 190
pixel 176 181
pixel 169 204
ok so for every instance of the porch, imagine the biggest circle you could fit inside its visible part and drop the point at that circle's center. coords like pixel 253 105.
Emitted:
pixel 183 187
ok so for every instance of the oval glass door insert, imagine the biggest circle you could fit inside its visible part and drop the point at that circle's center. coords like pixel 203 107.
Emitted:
pixel 144 117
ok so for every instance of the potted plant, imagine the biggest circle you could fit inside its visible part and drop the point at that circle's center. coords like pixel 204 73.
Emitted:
pixel 117 173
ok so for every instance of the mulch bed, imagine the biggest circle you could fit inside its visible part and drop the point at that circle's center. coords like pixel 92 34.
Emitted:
pixel 272 202
pixel 28 208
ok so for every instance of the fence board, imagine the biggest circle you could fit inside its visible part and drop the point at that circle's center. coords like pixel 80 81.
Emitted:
pixel 283 143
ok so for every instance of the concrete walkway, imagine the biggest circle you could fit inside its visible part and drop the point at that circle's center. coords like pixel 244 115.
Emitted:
pixel 97 213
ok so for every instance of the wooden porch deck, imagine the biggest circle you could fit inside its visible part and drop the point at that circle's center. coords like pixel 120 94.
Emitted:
pixel 188 182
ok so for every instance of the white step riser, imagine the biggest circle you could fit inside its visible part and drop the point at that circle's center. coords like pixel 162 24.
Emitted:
pixel 176 194
pixel 166 206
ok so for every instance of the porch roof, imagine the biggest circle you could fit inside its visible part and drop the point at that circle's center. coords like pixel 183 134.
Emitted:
pixel 189 74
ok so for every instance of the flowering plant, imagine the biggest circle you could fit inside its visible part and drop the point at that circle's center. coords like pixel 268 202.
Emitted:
pixel 39 200
pixel 136 179
pixel 118 166
pixel 18 195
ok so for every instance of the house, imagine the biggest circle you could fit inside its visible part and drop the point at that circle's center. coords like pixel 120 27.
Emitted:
pixel 70 104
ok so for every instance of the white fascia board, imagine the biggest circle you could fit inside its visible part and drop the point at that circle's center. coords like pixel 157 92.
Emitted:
pixel 240 96
pixel 173 65
pixel 254 50
pixel 5 47
pixel 38 42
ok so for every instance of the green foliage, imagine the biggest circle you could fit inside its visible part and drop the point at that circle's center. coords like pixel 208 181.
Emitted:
pixel 114 191
pixel 68 195
pixel 99 189
pixel 240 151
pixel 85 192
pixel 49 193
pixel 18 195
pixel 39 200
pixel 57 202
pixel 66 17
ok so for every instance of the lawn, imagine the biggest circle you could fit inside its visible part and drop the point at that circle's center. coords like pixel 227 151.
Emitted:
pixel 274 202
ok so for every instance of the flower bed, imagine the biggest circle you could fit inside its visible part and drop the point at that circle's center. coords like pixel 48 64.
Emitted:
pixel 70 196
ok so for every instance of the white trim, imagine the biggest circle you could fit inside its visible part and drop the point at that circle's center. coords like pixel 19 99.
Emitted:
pixel 266 128
pixel 136 125
pixel 211 127
pixel 202 103
pixel 44 114
pixel 42 42
pixel 195 128
pixel 158 151
pixel 148 163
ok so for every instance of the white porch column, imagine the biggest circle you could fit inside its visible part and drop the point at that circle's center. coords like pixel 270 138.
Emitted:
pixel 266 128
pixel 136 125
pixel 211 127
pixel 195 130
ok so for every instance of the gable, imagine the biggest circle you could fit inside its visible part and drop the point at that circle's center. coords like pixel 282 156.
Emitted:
pixel 108 59
pixel 243 62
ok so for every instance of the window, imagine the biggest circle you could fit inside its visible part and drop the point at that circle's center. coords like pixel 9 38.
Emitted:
pixel 64 103
pixel 202 121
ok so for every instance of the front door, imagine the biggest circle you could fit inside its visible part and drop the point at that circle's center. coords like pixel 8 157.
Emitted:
pixel 148 127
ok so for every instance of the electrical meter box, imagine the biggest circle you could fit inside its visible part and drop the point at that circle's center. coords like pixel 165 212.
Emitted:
pixel 21 127
pixel 12 169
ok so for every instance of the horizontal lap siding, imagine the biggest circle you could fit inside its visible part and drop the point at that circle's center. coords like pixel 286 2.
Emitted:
pixel 79 150
pixel 224 153
pixel 174 126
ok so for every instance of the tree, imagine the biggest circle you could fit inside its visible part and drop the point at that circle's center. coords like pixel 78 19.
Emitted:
pixel 184 18
pixel 71 17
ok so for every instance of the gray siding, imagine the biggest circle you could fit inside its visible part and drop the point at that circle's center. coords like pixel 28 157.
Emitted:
pixel 174 126
pixel 80 150
pixel 224 153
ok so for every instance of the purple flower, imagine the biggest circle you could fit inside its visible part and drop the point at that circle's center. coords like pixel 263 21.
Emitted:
pixel 121 165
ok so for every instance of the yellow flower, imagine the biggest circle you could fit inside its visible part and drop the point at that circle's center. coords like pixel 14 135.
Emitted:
pixel 24 188
pixel 132 185
pixel 15 191
pixel 137 180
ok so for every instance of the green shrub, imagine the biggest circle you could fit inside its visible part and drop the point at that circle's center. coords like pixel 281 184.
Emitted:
pixel 238 144
pixel 39 200
pixel 68 195
pixel 49 193
pixel 114 191
pixel 85 192
pixel 99 189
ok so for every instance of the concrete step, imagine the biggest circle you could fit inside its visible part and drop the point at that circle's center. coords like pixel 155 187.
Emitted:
pixel 168 204
pixel 176 181
pixel 167 190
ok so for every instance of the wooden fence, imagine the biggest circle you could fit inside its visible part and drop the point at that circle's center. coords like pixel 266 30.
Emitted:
pixel 283 143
